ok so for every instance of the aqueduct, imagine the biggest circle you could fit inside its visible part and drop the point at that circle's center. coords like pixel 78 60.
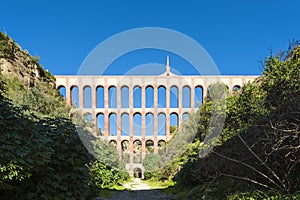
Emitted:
pixel 138 113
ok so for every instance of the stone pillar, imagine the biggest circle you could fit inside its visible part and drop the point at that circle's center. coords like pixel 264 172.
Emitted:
pixel 94 100
pixel 119 113
pixel 155 145
pixel 230 86
pixel 168 108
pixel 106 113
pixel 119 120
pixel 143 148
pixel 143 95
pixel 204 91
pixel 143 111
pixel 131 161
pixel 155 117
pixel 192 86
pixel 179 113
pixel 81 96
pixel 68 92
pixel 119 148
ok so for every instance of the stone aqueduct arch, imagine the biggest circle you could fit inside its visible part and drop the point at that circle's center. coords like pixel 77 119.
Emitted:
pixel 167 80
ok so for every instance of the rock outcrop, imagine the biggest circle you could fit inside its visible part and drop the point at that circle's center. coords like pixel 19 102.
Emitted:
pixel 16 62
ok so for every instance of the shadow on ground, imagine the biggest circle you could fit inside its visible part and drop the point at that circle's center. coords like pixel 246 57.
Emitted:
pixel 139 195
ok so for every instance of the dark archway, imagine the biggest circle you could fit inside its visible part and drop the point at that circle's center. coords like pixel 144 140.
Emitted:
pixel 137 151
pixel 137 173
pixel 149 146
pixel 236 88
pixel 62 91
pixel 113 142
pixel 125 151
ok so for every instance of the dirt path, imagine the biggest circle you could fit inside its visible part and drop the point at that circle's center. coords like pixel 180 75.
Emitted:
pixel 137 184
pixel 137 190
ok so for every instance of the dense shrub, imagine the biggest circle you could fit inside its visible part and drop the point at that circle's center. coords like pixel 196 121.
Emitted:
pixel 41 157
pixel 107 171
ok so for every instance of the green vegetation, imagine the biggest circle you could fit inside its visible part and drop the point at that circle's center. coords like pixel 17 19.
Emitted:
pixel 159 184
pixel 107 171
pixel 46 148
pixel 257 153
pixel 43 156
pixel 5 50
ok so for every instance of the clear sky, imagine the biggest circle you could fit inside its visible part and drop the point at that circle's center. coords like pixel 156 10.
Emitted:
pixel 237 34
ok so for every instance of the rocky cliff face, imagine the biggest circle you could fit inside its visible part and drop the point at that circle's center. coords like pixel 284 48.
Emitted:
pixel 15 62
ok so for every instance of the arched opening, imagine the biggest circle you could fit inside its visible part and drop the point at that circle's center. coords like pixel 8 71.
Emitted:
pixel 137 124
pixel 113 142
pixel 137 173
pixel 137 97
pixel 149 146
pixel 125 97
pixel 100 97
pixel 186 97
pixel 62 90
pixel 112 96
pixel 236 88
pixel 75 96
pixel 198 100
pixel 185 116
pixel 100 124
pixel 87 97
pixel 173 123
pixel 125 124
pixel 161 124
pixel 125 151
pixel 137 151
pixel 161 145
pixel 173 97
pixel 161 97
pixel 87 117
pixel 149 97
pixel 113 124
pixel 149 124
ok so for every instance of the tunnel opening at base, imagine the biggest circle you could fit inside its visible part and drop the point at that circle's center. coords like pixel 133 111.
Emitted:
pixel 137 173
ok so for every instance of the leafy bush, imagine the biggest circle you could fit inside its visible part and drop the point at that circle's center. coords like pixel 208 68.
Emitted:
pixel 43 158
pixel 107 171
pixel 269 195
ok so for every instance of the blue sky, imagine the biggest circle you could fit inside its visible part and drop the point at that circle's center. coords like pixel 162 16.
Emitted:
pixel 236 34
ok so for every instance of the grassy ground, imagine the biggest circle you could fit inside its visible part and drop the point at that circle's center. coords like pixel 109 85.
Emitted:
pixel 157 188
pixel 158 184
